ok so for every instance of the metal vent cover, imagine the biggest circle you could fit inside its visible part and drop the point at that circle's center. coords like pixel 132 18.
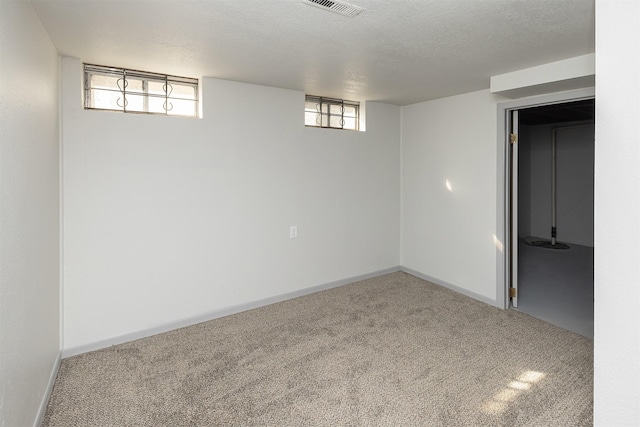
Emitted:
pixel 336 6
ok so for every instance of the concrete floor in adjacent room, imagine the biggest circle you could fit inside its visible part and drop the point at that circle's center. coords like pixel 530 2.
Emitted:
pixel 556 285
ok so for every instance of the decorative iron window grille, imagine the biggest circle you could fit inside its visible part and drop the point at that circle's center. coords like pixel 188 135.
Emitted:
pixel 331 113
pixel 131 91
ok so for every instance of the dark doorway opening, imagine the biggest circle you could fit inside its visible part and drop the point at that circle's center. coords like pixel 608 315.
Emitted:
pixel 555 209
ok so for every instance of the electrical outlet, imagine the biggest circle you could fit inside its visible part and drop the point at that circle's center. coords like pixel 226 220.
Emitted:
pixel 293 232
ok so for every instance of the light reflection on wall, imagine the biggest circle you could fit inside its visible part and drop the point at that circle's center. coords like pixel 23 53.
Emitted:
pixel 498 243
pixel 447 184
pixel 500 401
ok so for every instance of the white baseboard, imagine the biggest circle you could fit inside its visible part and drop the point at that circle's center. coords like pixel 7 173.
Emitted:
pixel 219 313
pixel 454 288
pixel 260 303
pixel 42 409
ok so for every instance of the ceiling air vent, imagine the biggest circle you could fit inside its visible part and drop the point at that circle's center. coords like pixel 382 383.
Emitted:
pixel 337 6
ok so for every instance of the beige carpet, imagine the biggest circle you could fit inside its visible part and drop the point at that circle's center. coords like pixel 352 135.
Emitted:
pixel 389 351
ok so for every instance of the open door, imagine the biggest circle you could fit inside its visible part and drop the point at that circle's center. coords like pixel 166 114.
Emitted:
pixel 513 193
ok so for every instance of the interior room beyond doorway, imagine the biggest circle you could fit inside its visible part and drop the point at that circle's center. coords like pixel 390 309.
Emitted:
pixel 555 208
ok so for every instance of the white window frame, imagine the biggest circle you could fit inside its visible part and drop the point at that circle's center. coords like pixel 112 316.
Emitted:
pixel 327 110
pixel 124 76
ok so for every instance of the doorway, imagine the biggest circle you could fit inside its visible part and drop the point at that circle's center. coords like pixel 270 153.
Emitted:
pixel 551 213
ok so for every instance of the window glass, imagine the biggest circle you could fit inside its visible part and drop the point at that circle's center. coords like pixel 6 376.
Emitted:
pixel 331 113
pixel 119 89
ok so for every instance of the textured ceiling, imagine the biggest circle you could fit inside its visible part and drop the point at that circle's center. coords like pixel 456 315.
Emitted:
pixel 400 52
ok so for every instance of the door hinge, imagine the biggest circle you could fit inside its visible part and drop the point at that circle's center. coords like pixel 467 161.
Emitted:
pixel 513 292
pixel 513 138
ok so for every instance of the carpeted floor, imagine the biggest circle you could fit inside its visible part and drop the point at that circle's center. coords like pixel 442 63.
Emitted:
pixel 389 351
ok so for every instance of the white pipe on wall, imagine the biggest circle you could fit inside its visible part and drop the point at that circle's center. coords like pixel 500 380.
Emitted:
pixel 553 185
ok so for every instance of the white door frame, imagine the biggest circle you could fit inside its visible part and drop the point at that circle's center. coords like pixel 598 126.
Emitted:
pixel 512 231
pixel 503 223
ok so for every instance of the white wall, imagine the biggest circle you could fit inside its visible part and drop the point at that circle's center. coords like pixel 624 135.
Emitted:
pixel 617 206
pixel 29 215
pixel 168 218
pixel 560 76
pixel 574 182
pixel 449 235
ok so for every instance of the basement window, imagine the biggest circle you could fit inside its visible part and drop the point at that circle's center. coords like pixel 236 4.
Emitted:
pixel 132 91
pixel 331 113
